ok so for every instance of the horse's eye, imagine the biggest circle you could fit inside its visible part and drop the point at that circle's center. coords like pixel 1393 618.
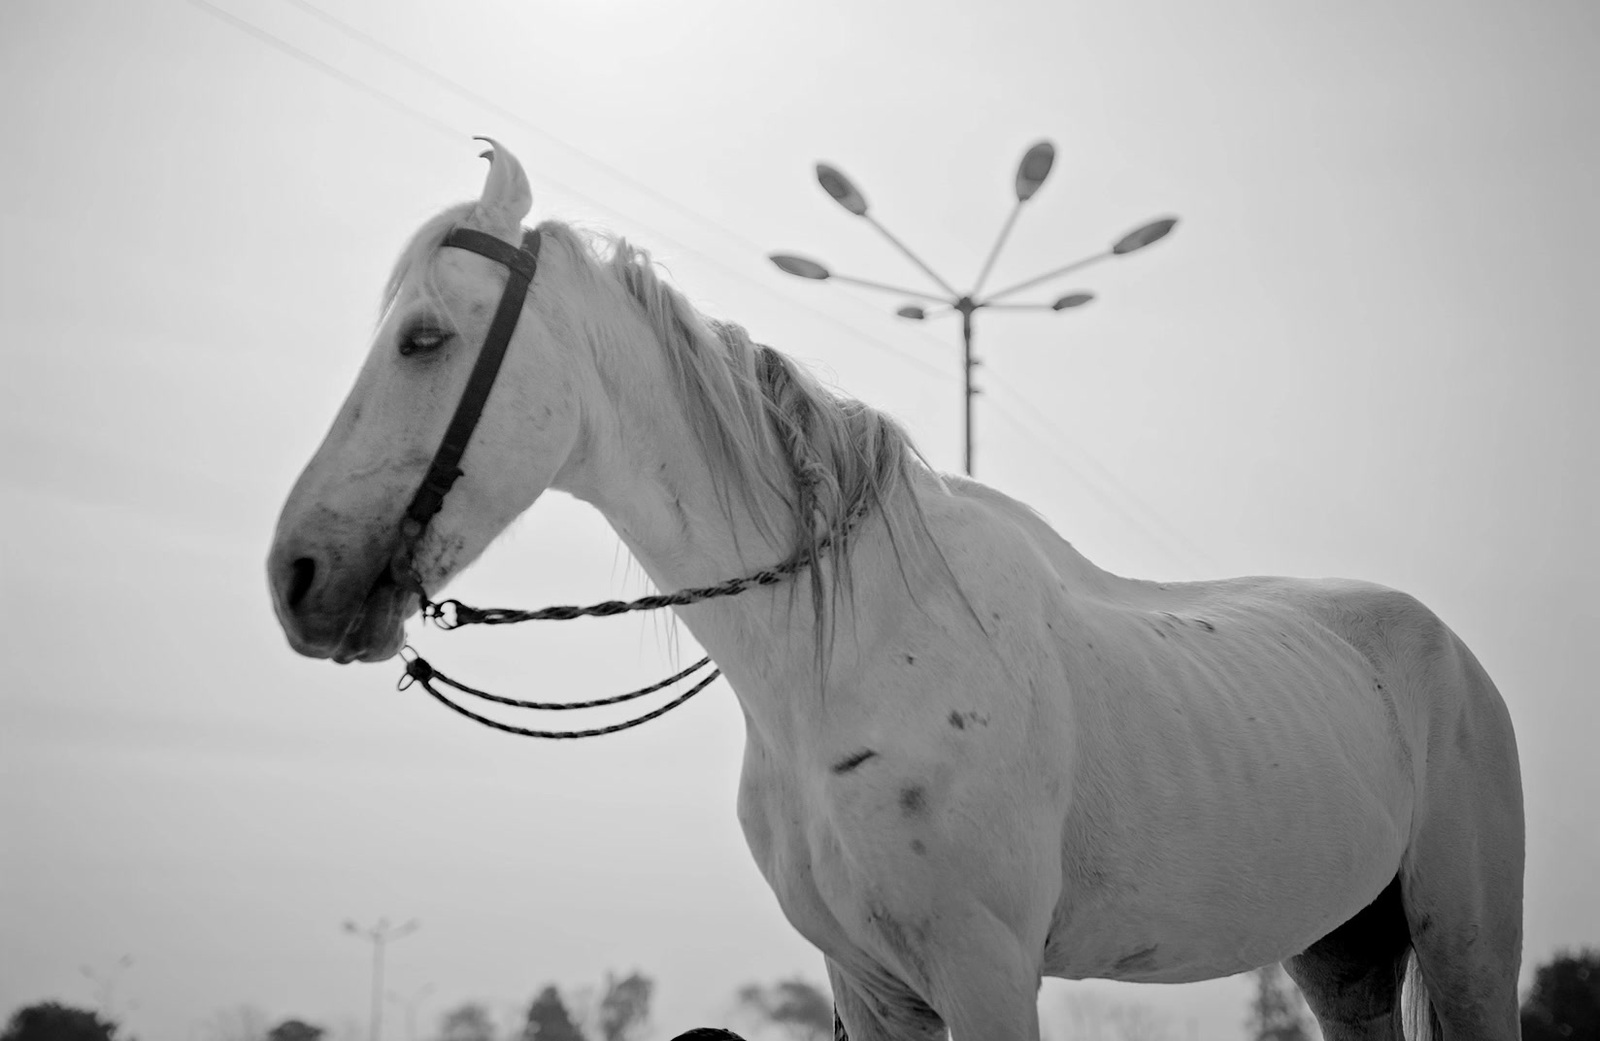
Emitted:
pixel 421 341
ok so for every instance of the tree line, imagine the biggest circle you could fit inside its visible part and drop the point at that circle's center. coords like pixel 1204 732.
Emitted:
pixel 1563 1004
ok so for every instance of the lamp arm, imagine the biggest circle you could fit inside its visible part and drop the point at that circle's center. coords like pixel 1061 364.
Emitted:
pixel 995 251
pixel 887 288
pixel 1048 275
pixel 902 247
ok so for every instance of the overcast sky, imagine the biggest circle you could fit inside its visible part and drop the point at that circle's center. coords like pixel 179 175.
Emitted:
pixel 1365 352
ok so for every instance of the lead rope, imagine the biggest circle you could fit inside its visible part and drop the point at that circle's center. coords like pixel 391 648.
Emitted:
pixel 452 614
pixel 419 671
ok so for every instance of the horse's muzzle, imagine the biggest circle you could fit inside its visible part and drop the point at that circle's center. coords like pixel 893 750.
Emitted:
pixel 324 615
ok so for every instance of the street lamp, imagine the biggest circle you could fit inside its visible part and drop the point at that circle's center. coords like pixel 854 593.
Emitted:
pixel 410 1005
pixel 379 936
pixel 1031 173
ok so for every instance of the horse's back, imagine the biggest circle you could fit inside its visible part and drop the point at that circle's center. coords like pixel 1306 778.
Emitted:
pixel 1258 639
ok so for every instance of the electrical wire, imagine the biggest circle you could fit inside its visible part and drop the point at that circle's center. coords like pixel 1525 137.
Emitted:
pixel 455 133
pixel 1152 524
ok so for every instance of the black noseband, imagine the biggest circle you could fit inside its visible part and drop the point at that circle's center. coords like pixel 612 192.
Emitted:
pixel 521 264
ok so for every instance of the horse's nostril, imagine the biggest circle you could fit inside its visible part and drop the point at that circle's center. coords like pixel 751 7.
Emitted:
pixel 303 573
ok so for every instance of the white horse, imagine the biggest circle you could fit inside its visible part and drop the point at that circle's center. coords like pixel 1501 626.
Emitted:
pixel 973 758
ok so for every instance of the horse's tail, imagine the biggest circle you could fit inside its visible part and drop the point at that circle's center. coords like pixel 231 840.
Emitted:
pixel 1417 1018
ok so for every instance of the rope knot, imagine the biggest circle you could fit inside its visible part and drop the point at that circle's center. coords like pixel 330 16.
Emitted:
pixel 419 670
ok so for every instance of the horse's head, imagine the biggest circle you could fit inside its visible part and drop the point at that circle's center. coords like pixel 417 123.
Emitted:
pixel 334 586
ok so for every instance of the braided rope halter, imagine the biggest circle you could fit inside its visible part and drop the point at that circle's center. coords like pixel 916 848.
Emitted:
pixel 522 263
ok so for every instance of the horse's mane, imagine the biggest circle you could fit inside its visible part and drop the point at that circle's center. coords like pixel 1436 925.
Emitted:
pixel 840 462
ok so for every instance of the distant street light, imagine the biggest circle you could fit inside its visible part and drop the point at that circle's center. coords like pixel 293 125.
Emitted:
pixel 1031 173
pixel 380 936
pixel 410 1005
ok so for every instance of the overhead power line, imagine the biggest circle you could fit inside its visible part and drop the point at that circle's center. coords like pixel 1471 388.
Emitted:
pixel 510 115
pixel 456 87
pixel 455 133
pixel 1138 513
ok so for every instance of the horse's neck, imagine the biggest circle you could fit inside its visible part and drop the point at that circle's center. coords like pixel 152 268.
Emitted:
pixel 659 495
pixel 648 476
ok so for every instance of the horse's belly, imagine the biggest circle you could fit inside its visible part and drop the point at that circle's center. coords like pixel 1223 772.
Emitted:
pixel 1226 897
pixel 1247 827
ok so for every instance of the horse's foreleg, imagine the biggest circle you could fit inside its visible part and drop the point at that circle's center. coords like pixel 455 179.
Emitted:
pixel 983 982
pixel 879 1009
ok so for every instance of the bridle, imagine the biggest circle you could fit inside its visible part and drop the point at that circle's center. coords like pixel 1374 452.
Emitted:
pixel 521 264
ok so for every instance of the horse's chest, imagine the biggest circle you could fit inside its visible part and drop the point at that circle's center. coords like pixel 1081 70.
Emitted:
pixel 842 858
pixel 783 829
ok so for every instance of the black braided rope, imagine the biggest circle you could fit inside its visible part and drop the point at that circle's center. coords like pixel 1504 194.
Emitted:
pixel 425 674
pixel 453 614
pixel 461 614
pixel 419 669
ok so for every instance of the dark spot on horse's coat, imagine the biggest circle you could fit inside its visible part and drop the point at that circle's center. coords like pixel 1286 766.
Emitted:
pixel 959 720
pixel 1141 959
pixel 910 660
pixel 850 762
pixel 1207 626
pixel 913 799
pixel 918 848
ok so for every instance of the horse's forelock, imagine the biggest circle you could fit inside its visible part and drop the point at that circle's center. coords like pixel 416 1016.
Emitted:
pixel 419 251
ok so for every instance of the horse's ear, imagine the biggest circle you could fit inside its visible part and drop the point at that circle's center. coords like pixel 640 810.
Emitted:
pixel 507 198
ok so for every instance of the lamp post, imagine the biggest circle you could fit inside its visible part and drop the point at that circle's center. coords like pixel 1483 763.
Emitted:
pixel 1031 174
pixel 380 936
pixel 410 1005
